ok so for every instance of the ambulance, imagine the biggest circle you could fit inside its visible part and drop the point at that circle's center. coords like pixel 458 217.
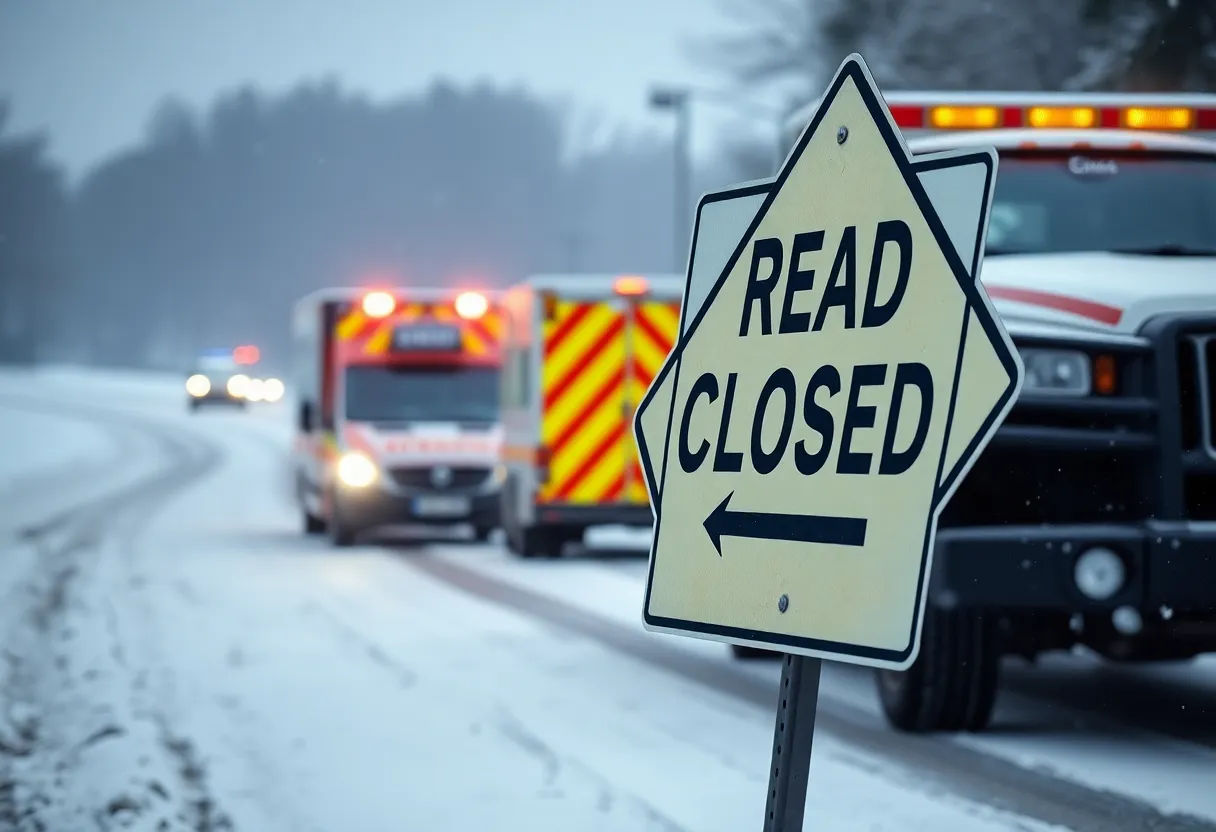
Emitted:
pixel 579 352
pixel 397 410
pixel 1090 519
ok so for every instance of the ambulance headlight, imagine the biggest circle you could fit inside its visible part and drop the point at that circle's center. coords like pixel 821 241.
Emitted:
pixel 1056 372
pixel 273 390
pixel 238 385
pixel 255 392
pixel 356 470
pixel 198 386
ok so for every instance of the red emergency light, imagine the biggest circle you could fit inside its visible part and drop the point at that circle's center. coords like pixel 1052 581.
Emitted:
pixel 246 354
pixel 471 305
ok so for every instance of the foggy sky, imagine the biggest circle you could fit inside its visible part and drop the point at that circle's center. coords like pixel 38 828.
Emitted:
pixel 90 71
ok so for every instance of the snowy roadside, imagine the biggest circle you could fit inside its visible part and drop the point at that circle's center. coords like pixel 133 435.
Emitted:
pixel 37 442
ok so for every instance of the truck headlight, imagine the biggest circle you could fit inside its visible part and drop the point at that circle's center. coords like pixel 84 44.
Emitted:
pixel 238 385
pixel 356 470
pixel 198 386
pixel 1056 372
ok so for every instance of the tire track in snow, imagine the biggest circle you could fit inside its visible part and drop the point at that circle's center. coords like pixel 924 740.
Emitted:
pixel 979 777
pixel 41 684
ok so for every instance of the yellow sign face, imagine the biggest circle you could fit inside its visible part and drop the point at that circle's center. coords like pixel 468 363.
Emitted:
pixel 814 421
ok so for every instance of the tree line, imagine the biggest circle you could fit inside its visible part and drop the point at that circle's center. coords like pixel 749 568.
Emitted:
pixel 206 231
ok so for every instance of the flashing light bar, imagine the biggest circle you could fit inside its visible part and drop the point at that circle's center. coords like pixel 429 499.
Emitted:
pixel 246 354
pixel 378 304
pixel 987 117
pixel 471 305
pixel 630 286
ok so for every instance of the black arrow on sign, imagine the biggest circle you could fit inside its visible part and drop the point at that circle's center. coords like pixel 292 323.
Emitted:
pixel 802 528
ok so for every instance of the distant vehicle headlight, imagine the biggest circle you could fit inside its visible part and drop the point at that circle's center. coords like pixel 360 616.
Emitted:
pixel 500 474
pixel 238 385
pixel 1052 372
pixel 356 470
pixel 198 386
pixel 272 390
pixel 256 390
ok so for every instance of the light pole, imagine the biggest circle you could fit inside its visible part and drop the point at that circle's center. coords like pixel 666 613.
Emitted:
pixel 678 100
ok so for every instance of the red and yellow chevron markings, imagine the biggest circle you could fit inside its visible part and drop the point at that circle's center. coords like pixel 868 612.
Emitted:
pixel 481 337
pixel 583 390
pixel 655 326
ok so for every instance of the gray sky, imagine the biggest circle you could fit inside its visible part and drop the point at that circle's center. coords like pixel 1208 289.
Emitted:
pixel 90 71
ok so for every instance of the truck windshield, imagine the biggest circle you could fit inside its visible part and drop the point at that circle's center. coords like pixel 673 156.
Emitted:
pixel 422 394
pixel 1096 201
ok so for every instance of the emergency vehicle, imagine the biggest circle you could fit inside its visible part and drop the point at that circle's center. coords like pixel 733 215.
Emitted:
pixel 579 352
pixel 397 409
pixel 221 376
pixel 1090 519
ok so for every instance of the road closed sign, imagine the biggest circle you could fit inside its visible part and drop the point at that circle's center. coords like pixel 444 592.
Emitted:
pixel 828 392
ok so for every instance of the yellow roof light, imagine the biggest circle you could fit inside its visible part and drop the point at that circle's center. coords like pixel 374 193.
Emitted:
pixel 1081 117
pixel 630 285
pixel 1159 118
pixel 964 118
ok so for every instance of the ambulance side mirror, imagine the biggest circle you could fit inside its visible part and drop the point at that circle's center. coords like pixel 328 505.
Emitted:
pixel 307 417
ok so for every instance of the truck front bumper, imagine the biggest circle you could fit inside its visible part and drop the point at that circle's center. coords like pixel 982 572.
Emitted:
pixel 372 507
pixel 1166 566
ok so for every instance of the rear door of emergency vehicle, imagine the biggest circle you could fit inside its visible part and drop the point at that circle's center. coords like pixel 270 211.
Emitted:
pixel 581 351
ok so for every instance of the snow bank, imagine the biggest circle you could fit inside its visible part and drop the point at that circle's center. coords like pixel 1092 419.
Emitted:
pixel 38 442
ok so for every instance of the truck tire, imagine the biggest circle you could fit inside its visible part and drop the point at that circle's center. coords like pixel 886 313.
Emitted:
pixel 341 533
pixel 312 523
pixel 952 684
pixel 538 542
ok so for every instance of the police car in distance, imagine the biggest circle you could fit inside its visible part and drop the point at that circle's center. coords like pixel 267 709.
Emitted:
pixel 1090 519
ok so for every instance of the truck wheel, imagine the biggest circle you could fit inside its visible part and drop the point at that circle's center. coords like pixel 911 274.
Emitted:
pixel 341 536
pixel 952 684
pixel 539 542
pixel 312 523
pixel 341 533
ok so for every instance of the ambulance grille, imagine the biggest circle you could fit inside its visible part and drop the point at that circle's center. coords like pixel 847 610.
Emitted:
pixel 431 479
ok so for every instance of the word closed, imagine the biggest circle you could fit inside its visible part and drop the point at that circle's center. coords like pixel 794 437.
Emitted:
pixel 814 402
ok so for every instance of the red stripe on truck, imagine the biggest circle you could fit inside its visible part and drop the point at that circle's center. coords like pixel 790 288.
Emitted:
pixel 1100 312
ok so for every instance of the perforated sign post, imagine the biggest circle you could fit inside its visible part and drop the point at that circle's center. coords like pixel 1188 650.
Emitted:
pixel 839 368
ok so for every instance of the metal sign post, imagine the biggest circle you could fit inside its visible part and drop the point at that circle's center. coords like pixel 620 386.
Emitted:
pixel 793 735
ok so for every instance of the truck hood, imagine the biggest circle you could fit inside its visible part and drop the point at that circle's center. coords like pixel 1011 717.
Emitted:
pixel 424 444
pixel 1096 292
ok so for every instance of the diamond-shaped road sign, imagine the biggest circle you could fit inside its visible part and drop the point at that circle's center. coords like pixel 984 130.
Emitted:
pixel 838 370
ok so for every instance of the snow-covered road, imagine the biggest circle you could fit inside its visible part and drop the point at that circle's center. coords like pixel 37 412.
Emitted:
pixel 179 656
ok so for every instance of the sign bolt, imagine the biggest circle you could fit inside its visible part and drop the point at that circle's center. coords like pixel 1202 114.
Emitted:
pixel 783 603
pixel 842 135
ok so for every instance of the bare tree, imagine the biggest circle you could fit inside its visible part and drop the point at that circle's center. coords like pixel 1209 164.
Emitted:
pixel 1151 45
pixel 927 44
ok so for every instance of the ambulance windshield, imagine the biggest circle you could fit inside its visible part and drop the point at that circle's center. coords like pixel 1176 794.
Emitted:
pixel 1095 201
pixel 422 394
